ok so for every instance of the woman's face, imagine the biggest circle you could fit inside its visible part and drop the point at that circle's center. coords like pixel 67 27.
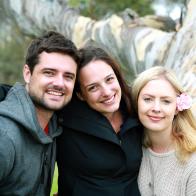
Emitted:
pixel 100 87
pixel 157 105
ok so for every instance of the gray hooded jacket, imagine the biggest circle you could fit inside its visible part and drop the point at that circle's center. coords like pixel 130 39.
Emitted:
pixel 27 154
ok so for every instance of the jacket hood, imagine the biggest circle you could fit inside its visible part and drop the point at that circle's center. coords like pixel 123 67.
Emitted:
pixel 80 117
pixel 18 107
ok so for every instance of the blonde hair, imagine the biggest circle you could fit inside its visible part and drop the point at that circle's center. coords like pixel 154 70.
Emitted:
pixel 184 125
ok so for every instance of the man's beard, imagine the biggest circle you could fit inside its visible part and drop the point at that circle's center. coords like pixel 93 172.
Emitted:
pixel 40 103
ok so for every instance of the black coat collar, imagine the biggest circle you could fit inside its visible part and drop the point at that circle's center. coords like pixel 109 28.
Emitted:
pixel 78 116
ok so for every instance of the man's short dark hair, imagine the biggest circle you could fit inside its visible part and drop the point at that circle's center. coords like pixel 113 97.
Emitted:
pixel 50 42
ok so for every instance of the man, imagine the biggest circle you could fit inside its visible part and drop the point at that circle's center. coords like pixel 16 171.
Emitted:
pixel 28 126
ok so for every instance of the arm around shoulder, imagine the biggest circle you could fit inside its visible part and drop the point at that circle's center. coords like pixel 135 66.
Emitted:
pixel 4 88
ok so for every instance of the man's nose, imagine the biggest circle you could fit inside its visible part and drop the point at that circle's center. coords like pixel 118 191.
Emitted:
pixel 59 81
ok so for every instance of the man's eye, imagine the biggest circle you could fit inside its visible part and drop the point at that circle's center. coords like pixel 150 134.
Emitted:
pixel 48 73
pixel 69 77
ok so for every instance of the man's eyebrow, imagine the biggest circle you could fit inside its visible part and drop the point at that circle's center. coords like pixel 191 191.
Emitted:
pixel 73 75
pixel 52 69
pixel 69 73
pixel 48 69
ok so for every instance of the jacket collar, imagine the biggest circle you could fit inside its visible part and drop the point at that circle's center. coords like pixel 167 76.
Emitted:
pixel 80 117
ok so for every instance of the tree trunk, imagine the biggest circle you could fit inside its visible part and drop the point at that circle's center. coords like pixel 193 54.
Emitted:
pixel 136 42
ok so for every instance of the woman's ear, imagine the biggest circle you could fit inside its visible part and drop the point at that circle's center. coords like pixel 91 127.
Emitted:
pixel 79 95
pixel 176 112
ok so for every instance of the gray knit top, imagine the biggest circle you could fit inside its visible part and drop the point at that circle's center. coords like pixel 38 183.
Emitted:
pixel 163 175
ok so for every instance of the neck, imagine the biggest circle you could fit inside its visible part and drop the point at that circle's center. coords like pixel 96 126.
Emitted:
pixel 161 143
pixel 162 148
pixel 43 116
pixel 116 120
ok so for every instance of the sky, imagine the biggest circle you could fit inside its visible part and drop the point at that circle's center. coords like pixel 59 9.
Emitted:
pixel 161 8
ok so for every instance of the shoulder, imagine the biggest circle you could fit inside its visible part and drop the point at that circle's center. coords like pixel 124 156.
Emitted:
pixel 190 174
pixel 189 167
pixel 6 144
pixel 10 131
pixel 191 162
pixel 7 154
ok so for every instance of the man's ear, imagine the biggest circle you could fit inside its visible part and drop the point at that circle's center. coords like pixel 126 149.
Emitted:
pixel 26 73
pixel 79 95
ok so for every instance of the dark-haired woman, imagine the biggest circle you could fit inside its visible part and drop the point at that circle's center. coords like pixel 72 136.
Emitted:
pixel 100 150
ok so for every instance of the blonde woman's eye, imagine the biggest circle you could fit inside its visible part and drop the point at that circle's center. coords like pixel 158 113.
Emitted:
pixel 166 101
pixel 147 99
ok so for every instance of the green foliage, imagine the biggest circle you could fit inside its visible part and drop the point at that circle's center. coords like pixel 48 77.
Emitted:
pixel 12 60
pixel 97 9
pixel 13 49
pixel 55 182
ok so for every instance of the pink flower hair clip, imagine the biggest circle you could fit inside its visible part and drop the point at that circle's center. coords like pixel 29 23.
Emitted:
pixel 184 101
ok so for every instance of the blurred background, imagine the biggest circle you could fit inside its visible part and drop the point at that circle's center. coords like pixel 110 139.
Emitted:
pixel 13 43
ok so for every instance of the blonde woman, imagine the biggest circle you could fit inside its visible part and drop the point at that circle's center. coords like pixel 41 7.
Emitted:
pixel 169 154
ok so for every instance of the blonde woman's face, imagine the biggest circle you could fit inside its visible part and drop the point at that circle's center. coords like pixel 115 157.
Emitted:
pixel 157 106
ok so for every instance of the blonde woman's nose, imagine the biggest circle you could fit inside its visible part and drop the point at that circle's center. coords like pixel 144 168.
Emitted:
pixel 156 106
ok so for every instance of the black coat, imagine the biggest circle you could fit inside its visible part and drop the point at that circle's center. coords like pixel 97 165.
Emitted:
pixel 92 159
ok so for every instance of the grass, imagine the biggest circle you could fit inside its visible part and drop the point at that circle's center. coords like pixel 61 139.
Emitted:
pixel 54 184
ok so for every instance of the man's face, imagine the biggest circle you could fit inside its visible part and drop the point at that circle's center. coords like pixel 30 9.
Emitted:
pixel 51 83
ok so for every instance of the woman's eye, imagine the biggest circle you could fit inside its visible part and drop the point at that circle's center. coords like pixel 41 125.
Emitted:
pixel 166 101
pixel 147 99
pixel 92 88
pixel 110 79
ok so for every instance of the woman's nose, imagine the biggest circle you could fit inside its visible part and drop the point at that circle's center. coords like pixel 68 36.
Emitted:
pixel 105 90
pixel 156 106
